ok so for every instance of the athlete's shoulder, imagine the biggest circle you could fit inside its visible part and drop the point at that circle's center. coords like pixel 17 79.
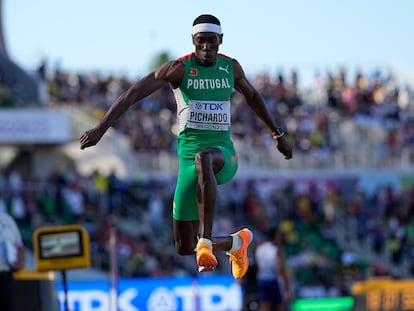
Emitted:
pixel 172 71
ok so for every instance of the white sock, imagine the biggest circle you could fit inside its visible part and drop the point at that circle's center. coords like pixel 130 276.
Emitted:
pixel 237 243
pixel 207 241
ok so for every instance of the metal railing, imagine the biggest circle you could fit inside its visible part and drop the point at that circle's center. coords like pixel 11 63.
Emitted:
pixel 262 162
pixel 353 155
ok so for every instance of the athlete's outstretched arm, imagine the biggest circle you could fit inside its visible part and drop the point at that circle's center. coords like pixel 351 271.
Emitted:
pixel 171 72
pixel 257 104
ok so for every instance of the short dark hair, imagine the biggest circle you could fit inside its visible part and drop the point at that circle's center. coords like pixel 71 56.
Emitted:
pixel 206 18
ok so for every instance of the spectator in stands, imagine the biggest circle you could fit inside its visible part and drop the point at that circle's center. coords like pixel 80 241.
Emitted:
pixel 12 258
pixel 202 83
pixel 273 286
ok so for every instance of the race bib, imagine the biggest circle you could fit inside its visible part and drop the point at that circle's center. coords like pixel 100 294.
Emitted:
pixel 208 115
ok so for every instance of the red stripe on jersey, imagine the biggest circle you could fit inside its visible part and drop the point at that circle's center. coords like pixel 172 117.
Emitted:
pixel 186 56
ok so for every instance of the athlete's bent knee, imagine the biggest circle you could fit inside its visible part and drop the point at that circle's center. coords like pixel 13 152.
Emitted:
pixel 209 159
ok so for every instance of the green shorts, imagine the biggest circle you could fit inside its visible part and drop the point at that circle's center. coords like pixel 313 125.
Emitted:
pixel 185 197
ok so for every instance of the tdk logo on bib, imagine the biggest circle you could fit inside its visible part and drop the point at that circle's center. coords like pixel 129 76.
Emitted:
pixel 208 106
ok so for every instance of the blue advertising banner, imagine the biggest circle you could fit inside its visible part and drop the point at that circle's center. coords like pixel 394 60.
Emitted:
pixel 218 293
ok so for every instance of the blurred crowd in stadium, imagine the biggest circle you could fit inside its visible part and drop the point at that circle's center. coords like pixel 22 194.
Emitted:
pixel 310 213
pixel 311 115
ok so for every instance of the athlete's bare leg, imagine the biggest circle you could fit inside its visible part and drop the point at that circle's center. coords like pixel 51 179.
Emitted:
pixel 186 233
pixel 265 306
pixel 208 163
pixel 185 236
pixel 268 306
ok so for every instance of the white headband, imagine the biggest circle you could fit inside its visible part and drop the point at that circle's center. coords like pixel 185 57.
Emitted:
pixel 206 27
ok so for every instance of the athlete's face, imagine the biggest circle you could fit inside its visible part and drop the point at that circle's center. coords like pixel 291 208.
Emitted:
pixel 206 47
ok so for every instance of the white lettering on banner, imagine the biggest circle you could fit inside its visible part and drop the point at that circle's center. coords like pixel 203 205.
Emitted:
pixel 125 300
pixel 162 299
pixel 92 300
pixel 212 297
pixel 34 125
pixel 219 298
pixel 186 293
pixel 178 298
pixel 35 128
pixel 97 300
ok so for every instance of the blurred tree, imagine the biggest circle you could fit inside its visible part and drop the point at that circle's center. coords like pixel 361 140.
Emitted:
pixel 160 59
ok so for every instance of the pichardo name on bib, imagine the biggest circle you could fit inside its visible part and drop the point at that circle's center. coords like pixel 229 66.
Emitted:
pixel 208 115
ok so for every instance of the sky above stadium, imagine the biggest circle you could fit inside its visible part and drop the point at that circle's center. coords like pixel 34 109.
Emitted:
pixel 123 36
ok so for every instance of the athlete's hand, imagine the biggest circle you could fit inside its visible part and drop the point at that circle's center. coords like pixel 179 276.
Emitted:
pixel 91 137
pixel 284 147
pixel 288 294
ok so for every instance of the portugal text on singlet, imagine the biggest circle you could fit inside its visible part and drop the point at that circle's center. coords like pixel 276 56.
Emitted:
pixel 207 84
